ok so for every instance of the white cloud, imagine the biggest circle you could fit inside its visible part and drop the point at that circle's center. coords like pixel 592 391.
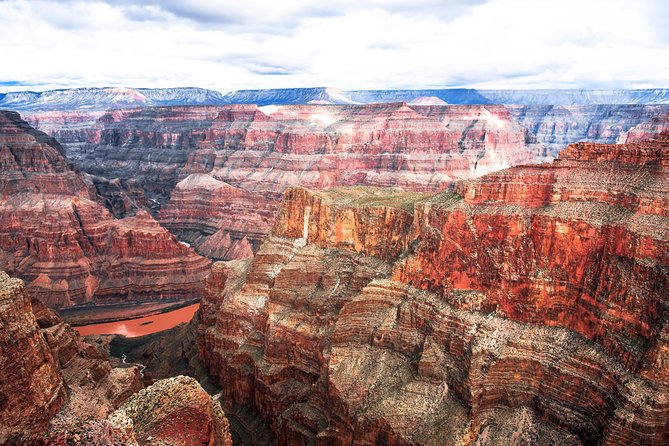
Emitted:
pixel 348 44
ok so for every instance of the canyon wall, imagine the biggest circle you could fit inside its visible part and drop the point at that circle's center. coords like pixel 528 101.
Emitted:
pixel 56 233
pixel 557 126
pixel 31 386
pixel 198 169
pixel 527 306
pixel 51 379
pixel 217 173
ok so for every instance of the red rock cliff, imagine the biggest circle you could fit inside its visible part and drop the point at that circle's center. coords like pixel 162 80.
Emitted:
pixel 58 389
pixel 56 235
pixel 256 153
pixel 524 307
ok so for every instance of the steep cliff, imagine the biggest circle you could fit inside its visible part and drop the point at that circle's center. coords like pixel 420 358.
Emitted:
pixel 31 386
pixel 223 169
pixel 557 126
pixel 56 234
pixel 524 307
pixel 646 130
pixel 57 389
pixel 51 379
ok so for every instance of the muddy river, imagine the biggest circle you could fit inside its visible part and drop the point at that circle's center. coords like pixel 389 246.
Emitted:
pixel 143 325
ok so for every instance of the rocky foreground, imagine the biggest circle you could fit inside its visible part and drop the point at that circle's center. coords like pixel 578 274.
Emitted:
pixel 57 234
pixel 57 389
pixel 525 307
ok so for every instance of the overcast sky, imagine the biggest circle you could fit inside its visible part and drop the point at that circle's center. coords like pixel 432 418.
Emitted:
pixel 350 44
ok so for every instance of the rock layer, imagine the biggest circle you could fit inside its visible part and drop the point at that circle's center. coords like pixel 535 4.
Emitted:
pixel 176 412
pixel 52 380
pixel 527 306
pixel 31 386
pixel 57 389
pixel 56 234
pixel 224 169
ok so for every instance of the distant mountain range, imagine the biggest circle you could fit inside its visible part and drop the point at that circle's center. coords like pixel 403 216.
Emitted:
pixel 115 97
pixel 106 98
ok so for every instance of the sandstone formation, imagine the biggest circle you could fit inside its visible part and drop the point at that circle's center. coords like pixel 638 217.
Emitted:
pixel 647 130
pixel 51 378
pixel 31 386
pixel 242 154
pixel 525 307
pixel 557 126
pixel 56 234
pixel 224 169
pixel 56 389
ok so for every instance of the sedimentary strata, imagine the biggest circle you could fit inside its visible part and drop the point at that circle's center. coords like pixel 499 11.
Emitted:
pixel 524 307
pixel 56 233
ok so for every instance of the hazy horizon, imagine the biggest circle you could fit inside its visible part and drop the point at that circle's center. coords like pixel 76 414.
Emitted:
pixel 37 90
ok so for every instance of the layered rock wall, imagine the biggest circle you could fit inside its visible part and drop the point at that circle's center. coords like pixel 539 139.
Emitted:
pixel 524 306
pixel 224 169
pixel 56 234
pixel 31 386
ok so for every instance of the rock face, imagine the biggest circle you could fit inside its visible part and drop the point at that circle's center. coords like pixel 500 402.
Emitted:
pixel 31 386
pixel 57 389
pixel 227 167
pixel 51 378
pixel 242 154
pixel 56 234
pixel 557 126
pixel 646 130
pixel 176 412
pixel 528 306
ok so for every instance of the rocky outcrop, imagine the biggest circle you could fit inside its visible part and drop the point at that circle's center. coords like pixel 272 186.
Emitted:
pixel 175 412
pixel 31 386
pixel 524 307
pixel 56 234
pixel 57 389
pixel 52 380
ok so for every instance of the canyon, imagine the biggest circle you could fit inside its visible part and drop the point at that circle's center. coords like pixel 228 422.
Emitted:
pixel 56 233
pixel 197 169
pixel 527 306
pixel 395 273
pixel 214 175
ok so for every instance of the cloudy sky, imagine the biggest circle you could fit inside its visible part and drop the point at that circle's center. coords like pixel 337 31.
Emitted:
pixel 350 44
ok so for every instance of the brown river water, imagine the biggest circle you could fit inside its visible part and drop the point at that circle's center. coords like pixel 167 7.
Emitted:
pixel 143 325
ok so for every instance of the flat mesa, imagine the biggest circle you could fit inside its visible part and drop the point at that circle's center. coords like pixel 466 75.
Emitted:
pixel 141 326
